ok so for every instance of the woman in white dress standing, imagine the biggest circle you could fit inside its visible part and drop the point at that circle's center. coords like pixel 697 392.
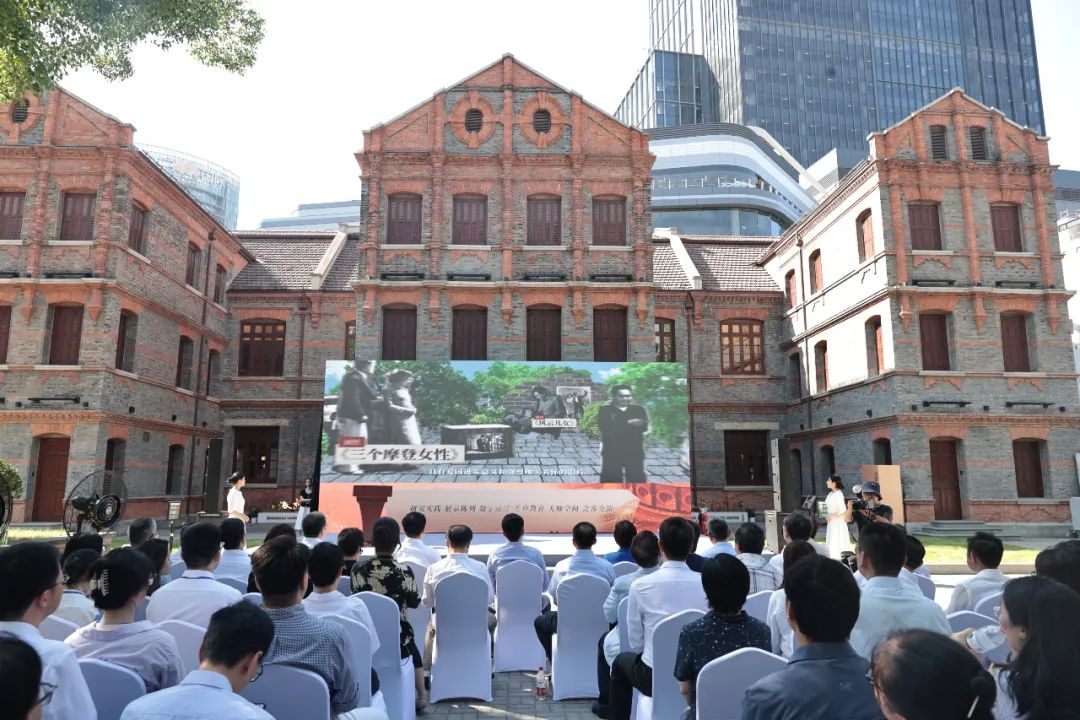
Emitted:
pixel 837 537
pixel 399 404
pixel 235 499
pixel 304 503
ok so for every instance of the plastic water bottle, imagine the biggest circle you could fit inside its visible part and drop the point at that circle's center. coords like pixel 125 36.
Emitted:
pixel 986 638
pixel 541 683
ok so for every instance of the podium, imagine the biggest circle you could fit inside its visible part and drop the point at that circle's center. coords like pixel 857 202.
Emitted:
pixel 371 499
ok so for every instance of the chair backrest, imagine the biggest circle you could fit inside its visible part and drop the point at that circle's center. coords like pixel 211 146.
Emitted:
pixel 989 605
pixel 360 646
pixel 757 605
pixel 667 701
pixel 240 585
pixel 189 638
pixel 112 687
pixel 965 619
pixel 54 628
pixel 723 681
pixel 581 623
pixel 344 585
pixel 289 693
pixel 254 598
pixel 929 589
pixel 384 613
pixel 520 587
pixel 624 631
pixel 461 658
pixel 419 617
pixel 179 567
pixel 625 568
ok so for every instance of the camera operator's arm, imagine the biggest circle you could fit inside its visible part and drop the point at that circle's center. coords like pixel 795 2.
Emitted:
pixel 849 512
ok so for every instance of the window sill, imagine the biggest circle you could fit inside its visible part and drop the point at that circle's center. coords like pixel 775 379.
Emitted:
pixel 934 253
pixel 126 373
pixel 1040 501
pixel 138 255
pixel 243 378
pixel 185 391
pixel 1028 374
pixel 1010 253
pixel 71 243
pixel 614 248
pixel 950 373
pixel 560 246
pixel 64 368
pixel 467 246
pixel 11 242
pixel 402 246
pixel 763 486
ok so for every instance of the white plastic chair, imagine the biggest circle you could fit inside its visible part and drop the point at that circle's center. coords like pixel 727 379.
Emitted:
pixel 112 687
pixel 520 585
pixel 253 597
pixel 179 567
pixel 757 605
pixel 461 658
pixel 54 628
pixel 395 675
pixel 289 693
pixel 965 619
pixel 360 646
pixel 624 631
pixel 344 585
pixel 419 617
pixel 722 683
pixel 990 605
pixel 666 701
pixel 240 585
pixel 625 568
pixel 581 623
pixel 189 638
pixel 929 589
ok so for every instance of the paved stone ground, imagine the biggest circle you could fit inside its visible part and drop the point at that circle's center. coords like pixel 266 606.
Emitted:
pixel 572 458
pixel 513 697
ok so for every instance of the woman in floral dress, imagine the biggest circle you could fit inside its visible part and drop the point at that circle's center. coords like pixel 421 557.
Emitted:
pixel 385 576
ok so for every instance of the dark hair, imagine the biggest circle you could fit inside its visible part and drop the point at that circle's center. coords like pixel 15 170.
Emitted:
pixel 696 529
pixel 727 583
pixel 413 524
pixel 930 676
pixel 325 564
pixel 199 544
pixel 718 528
pixel 796 551
pixel 77 566
pixel 750 538
pixel 987 548
pixel 399 376
pixel 279 530
pixel 824 598
pixel 676 538
pixel 313 524
pixel 617 388
pixel 385 535
pixel 1061 563
pixel 351 541
pixel 140 530
pixel 1038 679
pixel 885 546
pixel 279 567
pixel 26 571
pixel 645 547
pixel 234 477
pixel 84 541
pixel 799 526
pixel 513 527
pixel 837 481
pixel 120 576
pixel 624 533
pixel 20 673
pixel 459 536
pixel 233 532
pixel 915 552
pixel 584 535
pixel 540 389
pixel 235 632
pixel 156 551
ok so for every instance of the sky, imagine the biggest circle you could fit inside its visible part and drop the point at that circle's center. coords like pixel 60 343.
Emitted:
pixel 330 69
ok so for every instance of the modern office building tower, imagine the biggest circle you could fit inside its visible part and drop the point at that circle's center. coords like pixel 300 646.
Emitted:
pixel 672 89
pixel 215 188
pixel 321 216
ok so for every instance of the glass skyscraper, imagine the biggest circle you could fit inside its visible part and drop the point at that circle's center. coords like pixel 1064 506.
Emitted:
pixel 822 74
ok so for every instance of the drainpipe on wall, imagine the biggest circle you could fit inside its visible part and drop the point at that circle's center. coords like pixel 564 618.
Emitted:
pixel 806 360
pixel 304 313
pixel 688 308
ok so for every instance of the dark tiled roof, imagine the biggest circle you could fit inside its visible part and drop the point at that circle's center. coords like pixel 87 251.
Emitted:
pixel 667 272
pixel 283 261
pixel 346 268
pixel 730 264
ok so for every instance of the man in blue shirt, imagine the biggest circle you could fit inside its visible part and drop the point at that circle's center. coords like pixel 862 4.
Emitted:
pixel 623 533
pixel 513 527
pixel 825 679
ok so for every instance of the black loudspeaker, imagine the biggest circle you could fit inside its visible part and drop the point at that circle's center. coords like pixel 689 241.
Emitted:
pixel 212 486
pixel 774 530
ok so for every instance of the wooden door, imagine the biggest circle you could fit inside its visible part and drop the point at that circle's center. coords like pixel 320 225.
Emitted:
pixel 1028 463
pixel 945 480
pixel 469 335
pixel 399 334
pixel 543 334
pixel 746 457
pixel 609 335
pixel 51 483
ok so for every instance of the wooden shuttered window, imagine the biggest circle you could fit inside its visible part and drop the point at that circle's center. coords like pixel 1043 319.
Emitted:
pixel 213 368
pixel 174 471
pixel 77 218
pixel 817 277
pixel 1027 461
pixel 5 332
pixel 925 226
pixel 609 221
pixel 1005 222
pixel 665 340
pixel 184 362
pixel 404 219
pixel 609 335
pixel 1014 343
pixel 742 347
pixel 821 366
pixel 790 289
pixel 11 215
pixel 122 341
pixel 543 334
pixel 399 334
pixel 470 220
pixel 137 227
pixel 66 335
pixel 262 349
pixel 191 273
pixel 939 146
pixel 469 334
pixel 864 228
pixel 934 338
pixel 544 220
pixel 794 376
pixel 875 351
pixel 221 279
pixel 977 140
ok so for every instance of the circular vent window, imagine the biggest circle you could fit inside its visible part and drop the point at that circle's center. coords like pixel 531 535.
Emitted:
pixel 542 121
pixel 20 111
pixel 474 120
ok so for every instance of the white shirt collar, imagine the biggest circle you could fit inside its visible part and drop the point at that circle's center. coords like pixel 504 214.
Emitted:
pixel 208 678
pixel 319 597
pixel 198 574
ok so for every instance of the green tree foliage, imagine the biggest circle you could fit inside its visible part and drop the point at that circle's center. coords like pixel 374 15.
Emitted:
pixel 442 395
pixel 503 378
pixel 41 41
pixel 661 388
pixel 10 482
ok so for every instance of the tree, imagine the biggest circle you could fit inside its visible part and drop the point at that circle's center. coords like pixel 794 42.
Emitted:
pixel 442 395
pixel 502 378
pixel 41 41
pixel 661 388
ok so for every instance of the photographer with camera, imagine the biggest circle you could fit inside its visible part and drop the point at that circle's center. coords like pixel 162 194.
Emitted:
pixel 869 509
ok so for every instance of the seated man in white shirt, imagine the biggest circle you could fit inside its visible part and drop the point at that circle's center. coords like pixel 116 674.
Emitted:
pixel 513 527
pixel 749 544
pixel 413 549
pixel 916 554
pixel 194 596
pixel 888 604
pixel 458 539
pixel 313 526
pixel 719 533
pixel 230 657
pixel 984 553
pixel 235 562
pixel 671 589
pixel 798 526
pixel 30 588
pixel 140 530
pixel 583 562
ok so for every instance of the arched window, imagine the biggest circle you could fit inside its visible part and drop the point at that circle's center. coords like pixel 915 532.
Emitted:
pixel 468 340
pixel 821 366
pixel 790 289
pixel 213 368
pixel 174 471
pixel 66 334
pixel 184 363
pixel 883 451
pixel 350 340
pixel 742 347
pixel 1028 463
pixel 1014 342
pixel 1005 224
pixel 470 220
pixel 191 272
pixel 817 277
pixel 126 333
pixel 609 335
pixel 875 350
pixel 864 230
pixel 221 281
pixel 399 333
pixel 939 148
pixel 137 228
pixel 609 221
pixel 544 220
pixel 11 215
pixel 403 219
pixel 543 332
pixel 827 456
pixel 77 217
